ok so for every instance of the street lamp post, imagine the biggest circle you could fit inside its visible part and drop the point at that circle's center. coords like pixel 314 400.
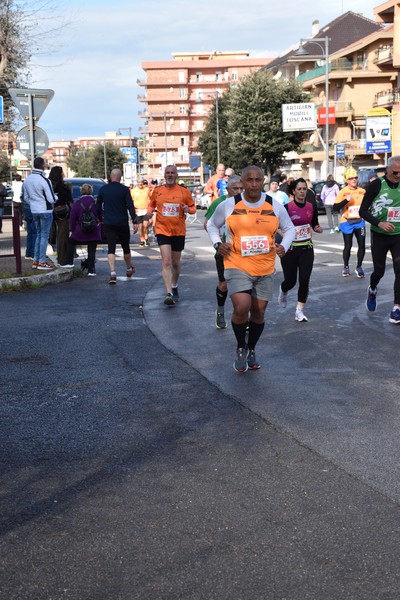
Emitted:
pixel 216 117
pixel 301 51
pixel 129 129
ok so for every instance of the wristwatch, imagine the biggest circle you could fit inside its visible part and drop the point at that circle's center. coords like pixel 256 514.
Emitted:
pixel 217 245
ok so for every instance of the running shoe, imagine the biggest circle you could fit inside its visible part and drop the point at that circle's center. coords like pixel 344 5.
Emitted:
pixel 332 231
pixel 130 271
pixel 359 272
pixel 113 279
pixel 346 272
pixel 28 257
pixel 252 362
pixel 142 245
pixel 371 302
pixel 147 243
pixel 282 298
pixel 169 300
pixel 44 267
pixel 175 294
pixel 91 274
pixel 337 229
pixel 240 365
pixel 300 316
pixel 71 266
pixel 220 322
pixel 34 264
pixel 395 316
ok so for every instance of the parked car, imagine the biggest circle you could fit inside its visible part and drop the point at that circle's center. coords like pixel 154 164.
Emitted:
pixel 317 187
pixel 8 201
pixel 77 182
pixel 366 174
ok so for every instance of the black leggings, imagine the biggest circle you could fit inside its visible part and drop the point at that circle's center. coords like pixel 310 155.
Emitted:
pixel 299 259
pixel 348 242
pixel 381 244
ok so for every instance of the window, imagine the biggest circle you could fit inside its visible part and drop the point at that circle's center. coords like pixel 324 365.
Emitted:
pixel 183 141
pixel 234 75
pixel 182 125
pixel 182 109
pixel 199 125
pixel 199 76
pixel 182 92
pixel 218 76
pixel 181 77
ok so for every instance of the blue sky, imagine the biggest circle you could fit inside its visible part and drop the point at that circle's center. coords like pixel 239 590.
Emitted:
pixel 93 62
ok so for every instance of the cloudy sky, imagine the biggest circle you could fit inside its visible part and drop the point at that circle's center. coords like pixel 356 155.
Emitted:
pixel 94 59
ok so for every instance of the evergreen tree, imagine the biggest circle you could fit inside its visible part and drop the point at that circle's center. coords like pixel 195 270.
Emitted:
pixel 90 162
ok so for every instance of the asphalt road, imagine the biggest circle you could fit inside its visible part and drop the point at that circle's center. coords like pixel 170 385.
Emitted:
pixel 136 464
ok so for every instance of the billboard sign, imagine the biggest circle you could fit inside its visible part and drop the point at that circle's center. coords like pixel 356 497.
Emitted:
pixel 378 131
pixel 298 117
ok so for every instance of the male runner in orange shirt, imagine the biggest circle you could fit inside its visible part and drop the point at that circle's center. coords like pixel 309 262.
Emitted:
pixel 172 203
pixel 211 185
pixel 252 219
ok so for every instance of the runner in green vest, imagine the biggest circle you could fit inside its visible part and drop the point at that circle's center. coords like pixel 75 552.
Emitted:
pixel 381 208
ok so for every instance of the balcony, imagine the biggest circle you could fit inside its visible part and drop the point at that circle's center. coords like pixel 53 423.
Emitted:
pixel 341 64
pixel 141 97
pixel 384 54
pixel 387 98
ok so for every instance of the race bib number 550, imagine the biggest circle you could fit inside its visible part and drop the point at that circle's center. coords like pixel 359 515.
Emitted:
pixel 254 244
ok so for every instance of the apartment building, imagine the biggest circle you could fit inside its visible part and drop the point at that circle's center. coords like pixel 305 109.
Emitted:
pixel 177 96
pixel 363 74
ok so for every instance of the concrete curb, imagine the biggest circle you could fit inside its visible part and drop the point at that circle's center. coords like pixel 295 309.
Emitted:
pixel 23 283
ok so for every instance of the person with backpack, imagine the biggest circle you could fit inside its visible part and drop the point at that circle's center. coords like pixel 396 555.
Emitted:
pixel 85 228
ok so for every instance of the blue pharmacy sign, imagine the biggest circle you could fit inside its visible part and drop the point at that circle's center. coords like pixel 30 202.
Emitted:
pixel 130 154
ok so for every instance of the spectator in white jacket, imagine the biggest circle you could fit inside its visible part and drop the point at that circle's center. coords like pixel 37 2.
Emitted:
pixel 328 197
pixel 38 192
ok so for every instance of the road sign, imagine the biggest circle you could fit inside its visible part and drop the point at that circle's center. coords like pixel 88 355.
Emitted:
pixel 23 97
pixel 1 110
pixel 340 151
pixel 24 141
pixel 130 153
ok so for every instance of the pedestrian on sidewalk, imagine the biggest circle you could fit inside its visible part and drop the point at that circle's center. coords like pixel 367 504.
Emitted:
pixel 328 196
pixel 38 192
pixel 61 212
pixel 90 238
